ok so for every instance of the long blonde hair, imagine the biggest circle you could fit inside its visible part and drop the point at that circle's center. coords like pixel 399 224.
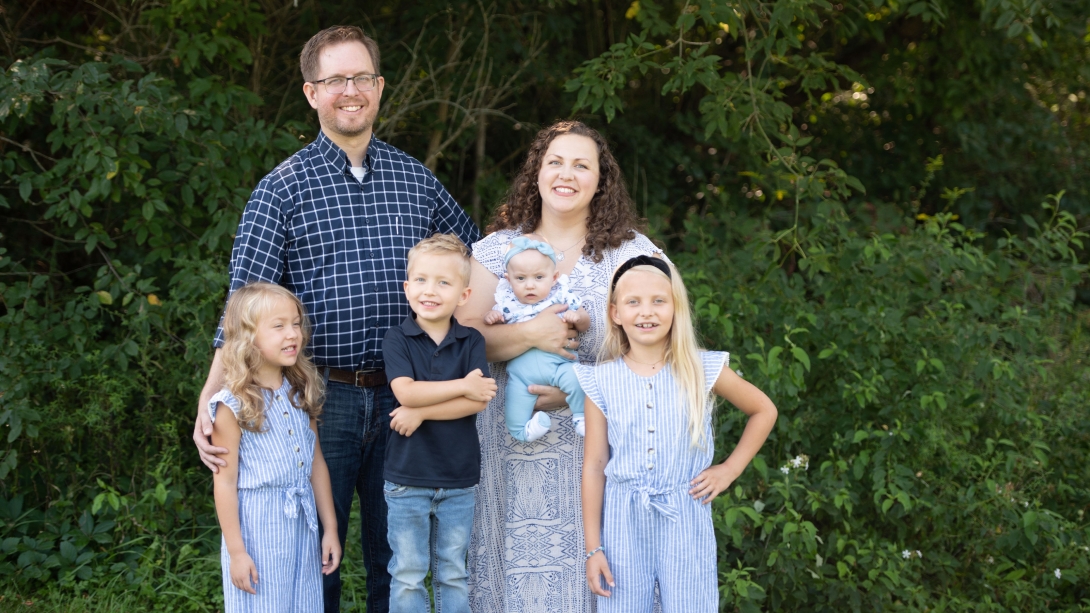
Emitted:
pixel 682 351
pixel 241 357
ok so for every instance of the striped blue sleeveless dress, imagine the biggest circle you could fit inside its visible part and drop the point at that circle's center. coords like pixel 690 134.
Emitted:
pixel 276 510
pixel 653 532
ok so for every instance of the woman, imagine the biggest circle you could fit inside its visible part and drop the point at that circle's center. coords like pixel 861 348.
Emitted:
pixel 526 554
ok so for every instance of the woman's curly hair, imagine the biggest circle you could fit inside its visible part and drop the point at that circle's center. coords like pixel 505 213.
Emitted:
pixel 242 358
pixel 612 219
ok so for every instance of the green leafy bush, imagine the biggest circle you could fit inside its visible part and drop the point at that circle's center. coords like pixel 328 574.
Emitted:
pixel 931 452
pixel 932 448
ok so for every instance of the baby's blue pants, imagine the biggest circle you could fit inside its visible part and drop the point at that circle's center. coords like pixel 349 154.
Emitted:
pixel 537 367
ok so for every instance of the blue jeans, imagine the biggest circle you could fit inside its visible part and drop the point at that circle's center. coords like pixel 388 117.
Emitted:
pixel 429 528
pixel 352 430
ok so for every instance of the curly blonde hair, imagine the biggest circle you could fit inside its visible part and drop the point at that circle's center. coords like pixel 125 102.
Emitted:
pixel 612 218
pixel 241 357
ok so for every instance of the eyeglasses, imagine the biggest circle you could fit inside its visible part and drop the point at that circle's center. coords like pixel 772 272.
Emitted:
pixel 337 85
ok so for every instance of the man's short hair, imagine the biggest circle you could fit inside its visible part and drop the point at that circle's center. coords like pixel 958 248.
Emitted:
pixel 310 57
pixel 443 244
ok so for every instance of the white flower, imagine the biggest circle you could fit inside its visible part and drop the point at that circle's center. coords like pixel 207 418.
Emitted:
pixel 991 560
pixel 918 554
pixel 906 554
pixel 739 373
pixel 1025 504
pixel 797 462
pixel 1057 573
pixel 784 469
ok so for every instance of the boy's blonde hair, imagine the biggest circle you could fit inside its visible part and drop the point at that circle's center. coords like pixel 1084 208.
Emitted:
pixel 241 357
pixel 443 244
pixel 682 351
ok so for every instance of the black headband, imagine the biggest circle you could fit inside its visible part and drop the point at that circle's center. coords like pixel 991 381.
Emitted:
pixel 641 260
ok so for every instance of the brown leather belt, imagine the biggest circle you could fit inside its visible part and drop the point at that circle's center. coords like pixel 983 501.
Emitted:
pixel 359 378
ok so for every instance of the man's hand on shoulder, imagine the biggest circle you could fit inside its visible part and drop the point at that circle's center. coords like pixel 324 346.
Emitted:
pixel 202 437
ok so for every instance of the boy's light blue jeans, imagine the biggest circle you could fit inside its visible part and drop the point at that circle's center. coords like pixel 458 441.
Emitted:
pixel 428 528
pixel 537 367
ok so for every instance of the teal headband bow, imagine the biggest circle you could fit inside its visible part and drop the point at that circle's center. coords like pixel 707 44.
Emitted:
pixel 520 244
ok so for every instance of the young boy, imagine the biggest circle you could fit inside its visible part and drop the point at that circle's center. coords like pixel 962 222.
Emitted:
pixel 438 372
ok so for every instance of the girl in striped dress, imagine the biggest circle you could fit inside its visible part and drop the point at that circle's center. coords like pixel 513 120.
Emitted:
pixel 275 487
pixel 647 473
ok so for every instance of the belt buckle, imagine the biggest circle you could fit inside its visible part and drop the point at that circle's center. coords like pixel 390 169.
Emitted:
pixel 357 377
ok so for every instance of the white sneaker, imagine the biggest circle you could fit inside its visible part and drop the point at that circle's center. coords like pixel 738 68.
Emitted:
pixel 580 427
pixel 538 426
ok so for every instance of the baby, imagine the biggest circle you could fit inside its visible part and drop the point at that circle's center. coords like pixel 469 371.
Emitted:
pixel 530 285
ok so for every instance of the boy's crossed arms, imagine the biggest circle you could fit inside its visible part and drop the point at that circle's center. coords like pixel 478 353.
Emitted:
pixel 439 400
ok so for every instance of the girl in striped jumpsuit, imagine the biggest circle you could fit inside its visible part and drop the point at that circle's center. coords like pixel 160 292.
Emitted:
pixel 647 473
pixel 275 487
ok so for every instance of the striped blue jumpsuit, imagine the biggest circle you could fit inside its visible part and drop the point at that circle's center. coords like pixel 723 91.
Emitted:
pixel 276 510
pixel 652 530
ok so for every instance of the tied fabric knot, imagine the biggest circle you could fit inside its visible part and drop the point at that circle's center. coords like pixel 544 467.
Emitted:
pixel 654 500
pixel 300 496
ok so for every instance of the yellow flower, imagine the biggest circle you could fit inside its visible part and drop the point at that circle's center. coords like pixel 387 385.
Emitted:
pixel 154 300
pixel 633 10
pixel 724 27
pixel 780 194
pixel 923 217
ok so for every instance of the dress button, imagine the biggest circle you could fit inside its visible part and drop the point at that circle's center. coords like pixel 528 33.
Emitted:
pixel 650 467
pixel 650 428
pixel 300 464
pixel 650 406
pixel 649 449
pixel 285 413
pixel 296 449
pixel 649 386
pixel 291 432
pixel 436 354
pixel 278 396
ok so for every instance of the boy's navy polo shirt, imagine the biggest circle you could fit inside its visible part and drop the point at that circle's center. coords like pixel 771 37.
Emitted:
pixel 441 453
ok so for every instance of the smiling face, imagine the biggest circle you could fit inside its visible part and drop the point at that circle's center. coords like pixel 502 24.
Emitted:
pixel 279 334
pixel 644 308
pixel 531 274
pixel 435 287
pixel 569 174
pixel 352 112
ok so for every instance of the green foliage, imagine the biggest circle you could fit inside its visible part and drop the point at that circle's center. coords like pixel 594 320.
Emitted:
pixel 921 337
pixel 930 453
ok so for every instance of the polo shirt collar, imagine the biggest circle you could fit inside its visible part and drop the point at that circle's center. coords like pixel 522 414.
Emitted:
pixel 411 328
pixel 336 157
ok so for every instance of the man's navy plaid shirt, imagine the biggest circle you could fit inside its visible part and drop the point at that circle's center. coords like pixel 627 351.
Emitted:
pixel 340 244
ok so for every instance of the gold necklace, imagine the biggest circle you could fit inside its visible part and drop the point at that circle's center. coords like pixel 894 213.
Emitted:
pixel 652 364
pixel 561 252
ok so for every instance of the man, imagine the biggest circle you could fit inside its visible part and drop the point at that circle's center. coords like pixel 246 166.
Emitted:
pixel 333 224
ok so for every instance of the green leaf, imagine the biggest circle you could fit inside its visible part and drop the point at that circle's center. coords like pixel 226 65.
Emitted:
pixel 801 356
pixel 9 463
